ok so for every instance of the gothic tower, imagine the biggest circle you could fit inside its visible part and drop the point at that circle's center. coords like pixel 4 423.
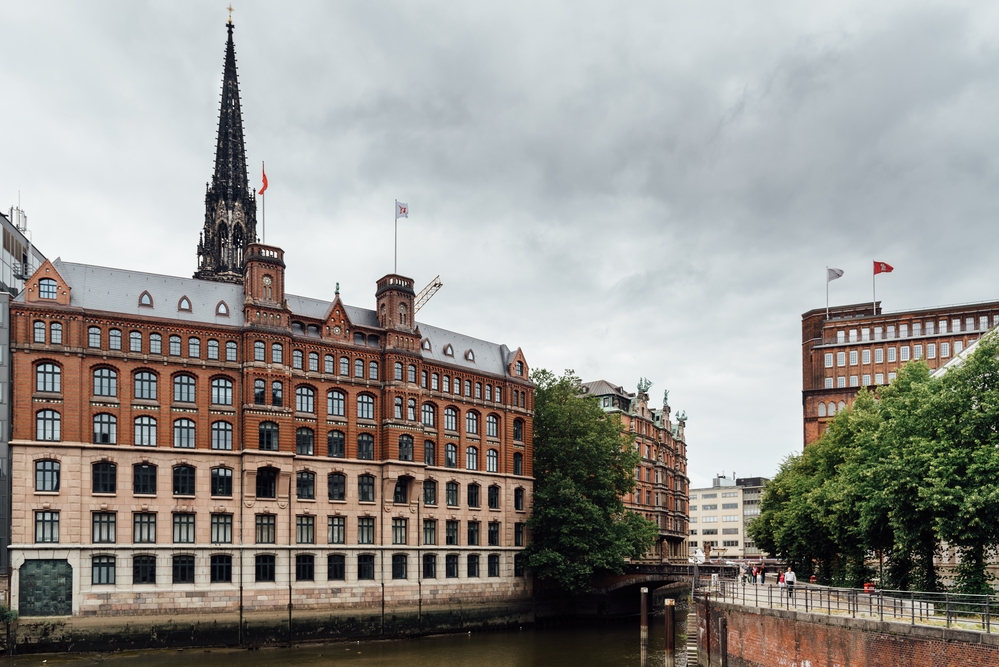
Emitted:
pixel 230 205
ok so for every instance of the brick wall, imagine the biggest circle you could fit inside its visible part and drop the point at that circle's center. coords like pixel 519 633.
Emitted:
pixel 768 637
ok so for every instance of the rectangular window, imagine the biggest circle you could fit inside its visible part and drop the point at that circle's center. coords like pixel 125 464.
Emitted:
pixel 399 563
pixel 879 356
pixel 336 528
pixel 473 565
pixel 944 349
pixel 104 527
pixel 929 328
pixel 305 529
pixel 451 533
pixel 183 528
pixel 903 331
pixel 958 346
pixel 891 355
pixel 879 378
pixel 865 334
pixel 865 357
pixel 366 530
pixel 853 335
pixel 144 528
pixel 221 568
pixel 891 376
pixel 841 358
pixel 473 533
pixel 336 567
pixel 841 382
pixel 399 531
pixel 493 534
pixel 451 566
pixel 829 360
pixel 853 357
pixel 518 534
pixel 264 567
pixel 955 325
pixel 429 566
pixel 877 333
pixel 305 567
pixel 903 353
pixel 917 352
pixel 430 531
pixel 917 329
pixel 46 526
pixel 891 331
pixel 829 383
pixel 866 380
pixel 103 570
pixel 931 350
pixel 221 529
pixel 854 381
pixel 451 493
pixel 266 528
pixel 366 567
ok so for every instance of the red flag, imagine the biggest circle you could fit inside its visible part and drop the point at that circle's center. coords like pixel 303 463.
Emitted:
pixel 264 186
pixel 879 267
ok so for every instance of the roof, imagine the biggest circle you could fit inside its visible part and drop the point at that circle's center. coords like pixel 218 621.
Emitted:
pixel 603 388
pixel 100 288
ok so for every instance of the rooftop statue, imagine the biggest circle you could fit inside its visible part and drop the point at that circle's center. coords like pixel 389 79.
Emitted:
pixel 643 385
pixel 681 416
pixel 666 397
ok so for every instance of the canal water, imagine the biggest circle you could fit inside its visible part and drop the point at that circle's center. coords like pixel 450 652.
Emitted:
pixel 594 646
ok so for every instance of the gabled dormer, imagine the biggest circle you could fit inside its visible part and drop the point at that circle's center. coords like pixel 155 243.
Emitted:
pixel 517 366
pixel 338 323
pixel 46 286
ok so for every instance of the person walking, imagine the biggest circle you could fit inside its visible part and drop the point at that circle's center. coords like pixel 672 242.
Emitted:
pixel 763 573
pixel 789 581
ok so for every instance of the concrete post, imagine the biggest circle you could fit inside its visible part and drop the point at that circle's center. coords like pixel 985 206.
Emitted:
pixel 722 642
pixel 669 612
pixel 645 616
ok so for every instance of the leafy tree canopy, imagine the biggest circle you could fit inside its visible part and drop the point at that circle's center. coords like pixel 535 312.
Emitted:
pixel 583 464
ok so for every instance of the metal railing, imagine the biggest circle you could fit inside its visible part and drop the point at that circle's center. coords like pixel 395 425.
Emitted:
pixel 951 610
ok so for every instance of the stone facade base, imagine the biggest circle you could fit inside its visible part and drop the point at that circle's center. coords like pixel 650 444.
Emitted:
pixel 59 634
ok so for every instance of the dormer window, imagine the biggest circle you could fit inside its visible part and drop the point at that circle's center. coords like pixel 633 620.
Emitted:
pixel 222 310
pixel 470 356
pixel 520 368
pixel 146 299
pixel 184 304
pixel 426 345
pixel 448 350
pixel 47 288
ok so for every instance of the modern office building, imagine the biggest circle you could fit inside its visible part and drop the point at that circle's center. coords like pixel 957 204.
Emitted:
pixel 861 346
pixel 661 477
pixel 720 514
pixel 216 444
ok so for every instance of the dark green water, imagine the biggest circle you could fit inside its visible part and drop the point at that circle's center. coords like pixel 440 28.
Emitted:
pixel 604 646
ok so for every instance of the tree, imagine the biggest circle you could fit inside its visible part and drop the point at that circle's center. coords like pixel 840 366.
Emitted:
pixel 584 463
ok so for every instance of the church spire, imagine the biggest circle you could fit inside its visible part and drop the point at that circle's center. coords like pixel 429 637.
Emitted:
pixel 230 205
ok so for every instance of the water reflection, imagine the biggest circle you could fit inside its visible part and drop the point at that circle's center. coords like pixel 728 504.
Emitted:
pixel 603 646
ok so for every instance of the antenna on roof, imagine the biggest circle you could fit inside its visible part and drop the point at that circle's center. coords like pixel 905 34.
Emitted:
pixel 426 293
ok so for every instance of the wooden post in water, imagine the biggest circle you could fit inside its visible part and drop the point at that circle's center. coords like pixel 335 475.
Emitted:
pixel 669 612
pixel 645 616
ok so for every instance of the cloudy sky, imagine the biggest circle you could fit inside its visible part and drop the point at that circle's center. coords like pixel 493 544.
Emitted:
pixel 625 189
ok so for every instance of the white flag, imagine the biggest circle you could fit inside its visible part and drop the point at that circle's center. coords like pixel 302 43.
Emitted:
pixel 401 210
pixel 833 274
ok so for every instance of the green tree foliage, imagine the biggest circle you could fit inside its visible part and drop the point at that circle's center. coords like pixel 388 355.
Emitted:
pixel 891 478
pixel 583 464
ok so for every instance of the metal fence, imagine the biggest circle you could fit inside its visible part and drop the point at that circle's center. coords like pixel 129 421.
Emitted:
pixel 966 612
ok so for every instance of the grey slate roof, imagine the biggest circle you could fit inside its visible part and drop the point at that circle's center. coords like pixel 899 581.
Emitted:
pixel 605 388
pixel 99 288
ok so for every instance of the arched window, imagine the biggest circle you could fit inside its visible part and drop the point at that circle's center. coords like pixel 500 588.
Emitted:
pixel 47 425
pixel 471 458
pixel 222 391
pixel 47 288
pixel 305 399
pixel 426 345
pixel 518 463
pixel 174 346
pixel 403 315
pixel 222 435
pixel 277 353
pixel 337 483
pixel 145 431
pixel 305 442
pixel 305 485
pixel 822 409
pixel 221 482
pixel 114 339
pixel 297 359
pixel 359 368
pixel 277 394
pixel 405 448
pixel 267 482
pixel 183 433
pixel 430 498
pixel 313 362
pixel 398 364
pixel 104 477
pixel 518 430
pixel 492 461
pixel 222 310
pixel 832 409
pixel 184 304
pixel 492 426
pixel 48 377
pixel 473 495
pixel 336 403
pixel 105 429
pixel 451 455
pixel 183 389
pixel 429 453
pixel 411 373
pixel 336 444
pixel 183 480
pixel 155 344
pixel 213 349
pixel 493 497
pixel 135 341
pixel 40 333
pixel 258 350
pixel 144 479
pixel 518 499
pixel 268 436
pixel 366 488
pixel 450 419
pixel 47 475
pixel 411 409
pixel 471 422
pixel 372 370
pixel 365 406
pixel 446 384
pixel 259 392
pixel 470 356
pixel 230 351
pixel 448 350
pixel 841 406
pixel 398 407
pixel 105 382
pixel 366 447
pixel 145 386
pixel 146 299
pixel 194 348
pixel 94 337
pixel 329 364
pixel 428 414
pixel 344 366
pixel 55 333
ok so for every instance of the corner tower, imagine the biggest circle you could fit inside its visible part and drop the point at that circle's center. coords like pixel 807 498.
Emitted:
pixel 230 205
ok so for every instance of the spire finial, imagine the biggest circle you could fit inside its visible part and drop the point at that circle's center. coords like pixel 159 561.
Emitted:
pixel 230 13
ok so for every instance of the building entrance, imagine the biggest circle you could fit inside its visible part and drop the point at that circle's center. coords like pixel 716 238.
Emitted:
pixel 46 588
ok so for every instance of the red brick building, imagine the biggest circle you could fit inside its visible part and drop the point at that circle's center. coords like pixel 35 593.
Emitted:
pixel 861 346
pixel 214 443
pixel 662 487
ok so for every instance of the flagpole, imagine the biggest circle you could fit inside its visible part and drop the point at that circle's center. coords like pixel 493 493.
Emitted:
pixel 874 291
pixel 395 260
pixel 263 206
pixel 827 292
